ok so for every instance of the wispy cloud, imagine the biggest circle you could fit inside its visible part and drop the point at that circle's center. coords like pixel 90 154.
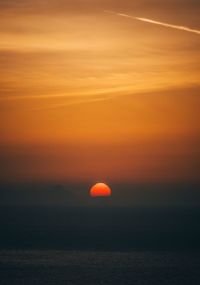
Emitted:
pixel 182 28
pixel 94 94
pixel 71 103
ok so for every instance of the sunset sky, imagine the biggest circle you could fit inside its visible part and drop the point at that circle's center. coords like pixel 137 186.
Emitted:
pixel 87 95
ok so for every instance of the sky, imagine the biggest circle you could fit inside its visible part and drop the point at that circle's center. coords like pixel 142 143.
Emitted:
pixel 87 95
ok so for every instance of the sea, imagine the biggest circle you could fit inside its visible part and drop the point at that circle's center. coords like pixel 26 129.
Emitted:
pixel 72 246
pixel 61 267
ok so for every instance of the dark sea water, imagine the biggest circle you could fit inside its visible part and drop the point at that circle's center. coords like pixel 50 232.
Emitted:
pixel 93 267
pixel 89 246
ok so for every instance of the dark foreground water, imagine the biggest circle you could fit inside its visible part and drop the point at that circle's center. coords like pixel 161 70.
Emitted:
pixel 72 246
pixel 105 229
pixel 90 267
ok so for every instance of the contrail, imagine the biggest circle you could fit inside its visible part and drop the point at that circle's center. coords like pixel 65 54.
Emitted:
pixel 182 28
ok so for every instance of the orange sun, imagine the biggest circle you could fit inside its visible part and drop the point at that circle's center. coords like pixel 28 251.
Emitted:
pixel 100 190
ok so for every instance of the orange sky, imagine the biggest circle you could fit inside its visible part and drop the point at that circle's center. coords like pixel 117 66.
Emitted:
pixel 86 95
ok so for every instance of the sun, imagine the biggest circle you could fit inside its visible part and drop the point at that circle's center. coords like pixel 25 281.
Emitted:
pixel 100 190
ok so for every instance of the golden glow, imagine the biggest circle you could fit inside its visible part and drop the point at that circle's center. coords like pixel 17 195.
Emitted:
pixel 85 94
